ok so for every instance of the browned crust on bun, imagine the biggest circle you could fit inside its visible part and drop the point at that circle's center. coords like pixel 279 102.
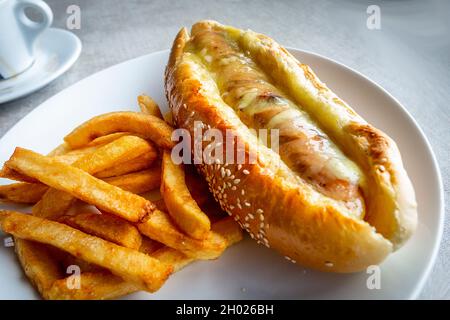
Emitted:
pixel 265 198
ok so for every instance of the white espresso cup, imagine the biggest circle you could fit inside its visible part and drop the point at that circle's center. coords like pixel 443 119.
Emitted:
pixel 18 34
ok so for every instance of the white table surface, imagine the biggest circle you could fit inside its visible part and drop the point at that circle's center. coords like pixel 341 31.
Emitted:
pixel 409 56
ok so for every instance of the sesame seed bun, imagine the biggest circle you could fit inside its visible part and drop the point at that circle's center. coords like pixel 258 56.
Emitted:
pixel 265 197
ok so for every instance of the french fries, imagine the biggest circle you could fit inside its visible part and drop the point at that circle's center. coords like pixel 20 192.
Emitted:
pixel 67 260
pixel 158 226
pixel 106 139
pixel 142 162
pixel 38 264
pixel 137 182
pixel 149 106
pixel 148 246
pixel 107 227
pixel 59 150
pixel 133 244
pixel 30 193
pixel 56 202
pixel 145 125
pixel 8 173
pixel 134 266
pixel 80 184
pixel 181 206
pixel 103 285
pixel 93 286
pixel 23 192
pixel 118 151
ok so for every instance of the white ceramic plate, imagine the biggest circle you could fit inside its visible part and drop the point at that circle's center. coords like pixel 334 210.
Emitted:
pixel 56 50
pixel 249 271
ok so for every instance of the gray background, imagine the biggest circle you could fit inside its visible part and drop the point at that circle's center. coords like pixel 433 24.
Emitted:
pixel 409 56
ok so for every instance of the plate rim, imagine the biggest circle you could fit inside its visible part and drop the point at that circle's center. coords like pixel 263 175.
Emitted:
pixel 436 170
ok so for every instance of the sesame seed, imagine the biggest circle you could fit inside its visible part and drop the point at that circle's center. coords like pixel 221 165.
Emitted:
pixel 259 211
pixel 236 181
pixel 233 188
pixel 222 172
pixel 261 217
pixel 243 192
pixel 245 171
pixel 232 177
pixel 217 161
pixel 252 235
pixel 251 216
pixel 239 166
pixel 287 258
pixel 261 225
pixel 225 195
pixel 228 171
pixel 229 184
pixel 246 218
pixel 246 225
pixel 329 264
pixel 239 206
pixel 231 207
pixel 247 204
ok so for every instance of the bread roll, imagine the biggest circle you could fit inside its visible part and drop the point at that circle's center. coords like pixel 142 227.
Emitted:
pixel 334 196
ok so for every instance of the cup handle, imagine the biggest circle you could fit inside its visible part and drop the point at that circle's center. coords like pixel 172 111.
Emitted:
pixel 32 29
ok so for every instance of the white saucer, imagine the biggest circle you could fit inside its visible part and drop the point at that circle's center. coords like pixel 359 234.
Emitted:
pixel 56 51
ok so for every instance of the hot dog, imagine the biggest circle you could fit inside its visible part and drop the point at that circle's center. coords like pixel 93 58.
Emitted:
pixel 338 198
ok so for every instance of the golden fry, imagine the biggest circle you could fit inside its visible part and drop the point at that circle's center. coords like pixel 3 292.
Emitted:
pixel 149 246
pixel 107 227
pixel 80 185
pixel 59 150
pixel 147 126
pixel 12 174
pixel 142 162
pixel 149 106
pixel 101 285
pixel 181 206
pixel 98 285
pixel 30 193
pixel 137 182
pixel 38 264
pixel 22 192
pixel 229 229
pixel 198 188
pixel 119 151
pixel 134 266
pixel 107 139
pixel 68 260
pixel 158 226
